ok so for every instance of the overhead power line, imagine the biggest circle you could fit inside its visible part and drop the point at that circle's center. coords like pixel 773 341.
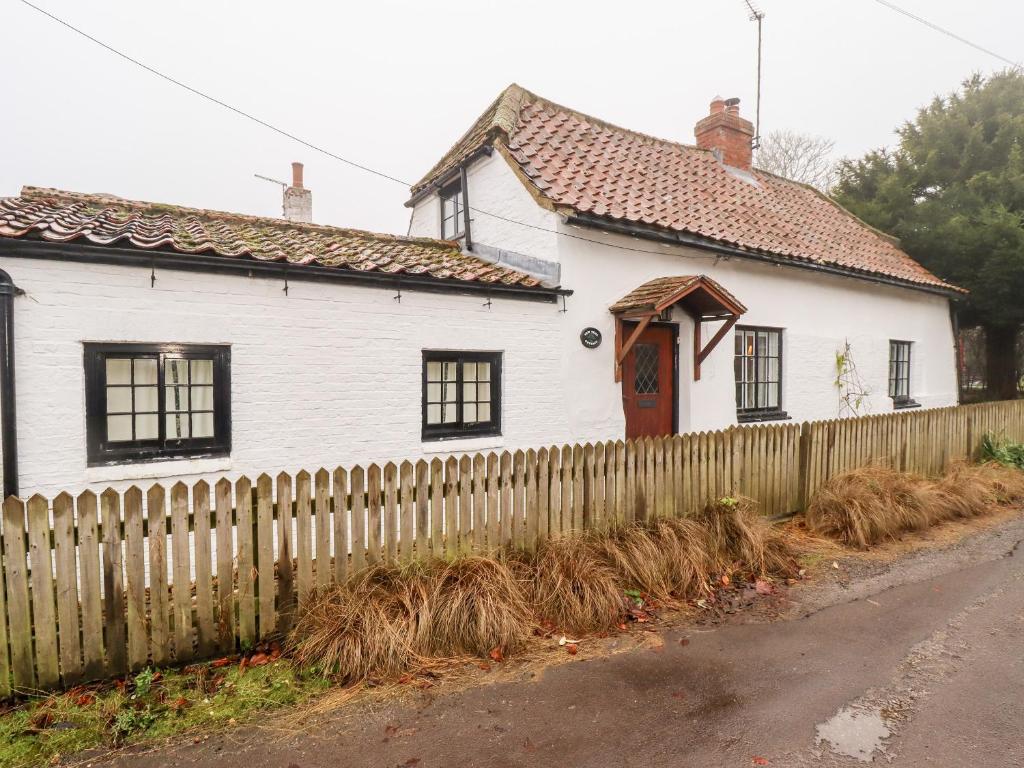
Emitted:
pixel 310 145
pixel 949 33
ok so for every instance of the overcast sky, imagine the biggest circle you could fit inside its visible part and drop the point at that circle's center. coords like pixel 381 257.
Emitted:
pixel 392 85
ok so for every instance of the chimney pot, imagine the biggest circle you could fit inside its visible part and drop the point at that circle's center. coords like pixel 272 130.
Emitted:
pixel 297 175
pixel 728 133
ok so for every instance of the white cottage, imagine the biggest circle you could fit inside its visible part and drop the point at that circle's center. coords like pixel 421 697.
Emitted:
pixel 564 280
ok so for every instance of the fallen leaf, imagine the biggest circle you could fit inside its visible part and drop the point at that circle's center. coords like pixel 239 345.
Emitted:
pixel 621 625
pixel 571 648
pixel 179 704
pixel 566 641
pixel 835 565
pixel 258 660
pixel 42 719
pixel 222 662
pixel 484 666
pixel 684 641
pixel 406 678
pixel 85 700
pixel 391 729
pixel 726 581
pixel 759 761
pixel 496 655
pixel 762 587
pixel 242 665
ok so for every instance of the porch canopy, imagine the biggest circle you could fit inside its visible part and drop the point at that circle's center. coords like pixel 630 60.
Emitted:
pixel 700 296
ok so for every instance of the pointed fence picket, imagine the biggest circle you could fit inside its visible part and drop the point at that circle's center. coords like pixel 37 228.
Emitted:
pixel 103 585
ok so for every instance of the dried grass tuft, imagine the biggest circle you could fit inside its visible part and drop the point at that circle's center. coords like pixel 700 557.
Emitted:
pixel 668 559
pixel 737 534
pixel 572 585
pixel 868 505
pixel 363 628
pixel 475 604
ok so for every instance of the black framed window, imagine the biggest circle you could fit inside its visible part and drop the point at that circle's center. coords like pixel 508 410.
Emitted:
pixel 758 368
pixel 461 394
pixel 154 401
pixel 899 374
pixel 453 210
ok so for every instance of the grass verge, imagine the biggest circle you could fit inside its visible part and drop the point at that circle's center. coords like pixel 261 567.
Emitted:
pixel 149 706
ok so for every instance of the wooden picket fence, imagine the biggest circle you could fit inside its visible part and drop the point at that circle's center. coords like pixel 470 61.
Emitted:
pixel 90 583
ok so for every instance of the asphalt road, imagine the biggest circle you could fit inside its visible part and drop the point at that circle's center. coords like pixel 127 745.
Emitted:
pixel 920 664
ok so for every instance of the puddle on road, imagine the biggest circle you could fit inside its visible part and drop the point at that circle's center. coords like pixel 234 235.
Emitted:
pixel 856 733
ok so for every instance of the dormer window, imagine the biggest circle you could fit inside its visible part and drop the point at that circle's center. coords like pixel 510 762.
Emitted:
pixel 453 211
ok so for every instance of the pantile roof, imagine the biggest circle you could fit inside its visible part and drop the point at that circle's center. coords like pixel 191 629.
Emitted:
pixel 103 220
pixel 580 165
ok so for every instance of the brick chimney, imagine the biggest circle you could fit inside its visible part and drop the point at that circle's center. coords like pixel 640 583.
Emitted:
pixel 298 201
pixel 727 132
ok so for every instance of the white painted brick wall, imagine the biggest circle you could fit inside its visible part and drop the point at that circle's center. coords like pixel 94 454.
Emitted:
pixel 328 375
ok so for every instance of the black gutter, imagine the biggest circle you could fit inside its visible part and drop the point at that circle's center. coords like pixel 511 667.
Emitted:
pixel 450 174
pixel 8 407
pixel 231 265
pixel 680 238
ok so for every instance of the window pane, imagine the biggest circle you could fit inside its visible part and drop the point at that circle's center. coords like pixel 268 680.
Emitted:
pixel 773 396
pixel 483 392
pixel 176 398
pixel 469 371
pixel 751 393
pixel 434 414
pixel 145 399
pixel 119 399
pixel 483 371
pixel 202 398
pixel 469 392
pixel 119 371
pixel 176 372
pixel 762 344
pixel 145 370
pixel 202 425
pixel 202 371
pixel 450 393
pixel 451 371
pixel 484 412
pixel 773 343
pixel 773 369
pixel 433 371
pixel 119 428
pixel 177 426
pixel 433 393
pixel 147 427
pixel 469 413
pixel 450 413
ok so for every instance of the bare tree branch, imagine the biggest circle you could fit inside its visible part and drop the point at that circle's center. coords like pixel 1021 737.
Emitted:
pixel 799 157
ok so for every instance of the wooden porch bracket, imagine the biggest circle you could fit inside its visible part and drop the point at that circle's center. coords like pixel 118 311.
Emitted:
pixel 622 347
pixel 699 354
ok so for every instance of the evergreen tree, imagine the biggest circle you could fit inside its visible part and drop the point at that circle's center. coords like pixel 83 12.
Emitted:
pixel 952 191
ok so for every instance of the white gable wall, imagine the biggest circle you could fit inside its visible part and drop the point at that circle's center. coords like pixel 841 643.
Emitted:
pixel 494 188
pixel 328 375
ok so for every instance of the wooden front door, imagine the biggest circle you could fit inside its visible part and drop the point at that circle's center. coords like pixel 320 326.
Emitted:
pixel 648 383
